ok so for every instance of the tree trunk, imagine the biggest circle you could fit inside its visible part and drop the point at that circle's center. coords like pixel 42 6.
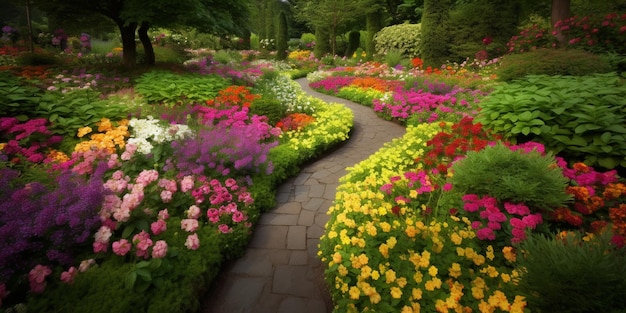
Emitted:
pixel 147 44
pixel 322 45
pixel 129 47
pixel 560 12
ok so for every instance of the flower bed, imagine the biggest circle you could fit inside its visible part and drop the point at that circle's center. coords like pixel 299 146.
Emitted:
pixel 146 205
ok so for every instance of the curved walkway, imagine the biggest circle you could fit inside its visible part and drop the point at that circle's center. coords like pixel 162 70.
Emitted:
pixel 280 271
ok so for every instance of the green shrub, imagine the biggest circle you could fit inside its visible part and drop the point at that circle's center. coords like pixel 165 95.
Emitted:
pixel 551 62
pixel 514 176
pixel 170 88
pixel 393 57
pixel 34 59
pixel 404 38
pixel 572 275
pixel 307 41
pixel 580 118
pixel 18 99
pixel 270 107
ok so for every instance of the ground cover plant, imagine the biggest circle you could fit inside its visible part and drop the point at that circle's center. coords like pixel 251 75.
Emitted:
pixel 159 209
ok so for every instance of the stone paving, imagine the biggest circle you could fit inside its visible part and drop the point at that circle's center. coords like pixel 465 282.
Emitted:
pixel 280 271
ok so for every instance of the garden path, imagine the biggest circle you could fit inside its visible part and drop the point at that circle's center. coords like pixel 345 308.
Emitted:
pixel 280 271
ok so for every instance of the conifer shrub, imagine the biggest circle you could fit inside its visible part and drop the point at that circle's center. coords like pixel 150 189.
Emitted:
pixel 515 176
pixel 572 274
pixel 552 62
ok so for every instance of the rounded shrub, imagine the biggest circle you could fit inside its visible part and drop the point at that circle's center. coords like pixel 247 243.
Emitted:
pixel 270 107
pixel 515 176
pixel 404 38
pixel 552 62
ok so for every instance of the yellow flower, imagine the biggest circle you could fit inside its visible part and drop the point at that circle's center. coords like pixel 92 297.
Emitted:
pixel 490 255
pixel 518 305
pixel 366 272
pixel 342 270
pixel 396 293
pixel 505 277
pixel 433 284
pixel 337 258
pixel 416 294
pixel 391 242
pixel 358 242
pixel 401 281
pixel 425 260
pixel 384 250
pixel 490 271
pixel 375 275
pixel 104 125
pixel 456 238
pixel 358 262
pixel 390 276
pixel 332 234
pixel 432 271
pixel 418 277
pixel 355 293
pixel 498 299
pixel 509 254
pixel 410 231
pixel 83 131
pixel 455 270
pixel 2 145
pixel 386 227
pixel 485 307
pixel 371 229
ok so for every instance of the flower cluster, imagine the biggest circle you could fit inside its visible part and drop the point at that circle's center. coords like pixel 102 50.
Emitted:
pixel 110 137
pixel 31 140
pixel 145 133
pixel 233 96
pixel 295 121
pixel 332 84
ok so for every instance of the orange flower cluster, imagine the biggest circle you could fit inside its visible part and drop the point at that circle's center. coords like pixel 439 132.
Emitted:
pixel 295 121
pixel 233 96
pixel 618 217
pixel 107 139
pixel 375 83
pixel 417 63
pixel 28 72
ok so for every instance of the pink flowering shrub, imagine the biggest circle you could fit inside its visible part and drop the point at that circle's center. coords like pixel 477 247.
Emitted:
pixel 31 140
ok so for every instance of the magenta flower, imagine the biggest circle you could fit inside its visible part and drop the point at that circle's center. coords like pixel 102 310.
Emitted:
pixel 69 275
pixel 158 227
pixel 486 233
pixel 37 278
pixel 224 229
pixel 121 247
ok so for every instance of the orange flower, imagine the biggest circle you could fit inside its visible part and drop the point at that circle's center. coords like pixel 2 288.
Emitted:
pixel 233 96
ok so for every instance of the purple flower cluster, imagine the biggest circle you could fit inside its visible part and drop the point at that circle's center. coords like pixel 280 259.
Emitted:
pixel 48 224
pixel 332 83
pixel 491 218
pixel 405 103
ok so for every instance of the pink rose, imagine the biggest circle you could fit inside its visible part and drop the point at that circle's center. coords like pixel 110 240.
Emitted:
pixel 189 224
pixel 192 242
pixel 100 247
pixel 158 227
pixel 68 276
pixel 159 250
pixel 163 214
pixel 193 212
pixel 238 217
pixel 37 278
pixel 224 229
pixel 121 247
pixel 166 196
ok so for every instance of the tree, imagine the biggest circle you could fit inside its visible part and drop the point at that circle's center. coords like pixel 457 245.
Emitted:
pixel 560 12
pixel 281 37
pixel 434 31
pixel 211 16
pixel 332 16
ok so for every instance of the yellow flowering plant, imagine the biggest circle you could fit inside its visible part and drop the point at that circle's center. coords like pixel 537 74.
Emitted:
pixel 382 256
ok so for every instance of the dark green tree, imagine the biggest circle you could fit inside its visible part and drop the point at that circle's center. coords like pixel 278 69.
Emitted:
pixel 281 37
pixel 435 50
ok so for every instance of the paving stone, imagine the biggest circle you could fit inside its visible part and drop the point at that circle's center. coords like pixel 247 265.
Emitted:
pixel 302 193
pixel 321 219
pixel 314 232
pixel 269 237
pixel 301 305
pixel 299 257
pixel 321 174
pixel 317 191
pixel 243 294
pixel 253 265
pixel 307 218
pixel 291 207
pixel 278 219
pixel 283 197
pixel 301 178
pixel 313 204
pixel 296 238
pixel 292 280
pixel 331 190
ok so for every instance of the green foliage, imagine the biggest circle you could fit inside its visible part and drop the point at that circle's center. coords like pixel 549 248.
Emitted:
pixel 551 62
pixel 354 42
pixel 514 176
pixel 572 275
pixel 404 38
pixel 18 99
pixel 360 95
pixel 307 40
pixel 227 56
pixel 34 59
pixel 581 118
pixel 270 107
pixel 393 57
pixel 67 112
pixel 170 88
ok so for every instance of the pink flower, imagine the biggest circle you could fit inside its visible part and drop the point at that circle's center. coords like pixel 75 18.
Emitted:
pixel 224 229
pixel 194 212
pixel 163 214
pixel 238 217
pixel 142 242
pixel 86 264
pixel 121 247
pixel 517 223
pixel 103 234
pixel 69 275
pixel 532 220
pixel 189 224
pixel 37 278
pixel 213 215
pixel 231 183
pixel 159 250
pixel 486 234
pixel 192 242
pixel 158 227
pixel 147 176
pixel 186 184
pixel 100 247
pixel 166 196
pixel 447 187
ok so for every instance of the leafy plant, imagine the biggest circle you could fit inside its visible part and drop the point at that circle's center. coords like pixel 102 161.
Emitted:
pixel 581 118
pixel 18 99
pixel 551 62
pixel 170 88
pixel 273 109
